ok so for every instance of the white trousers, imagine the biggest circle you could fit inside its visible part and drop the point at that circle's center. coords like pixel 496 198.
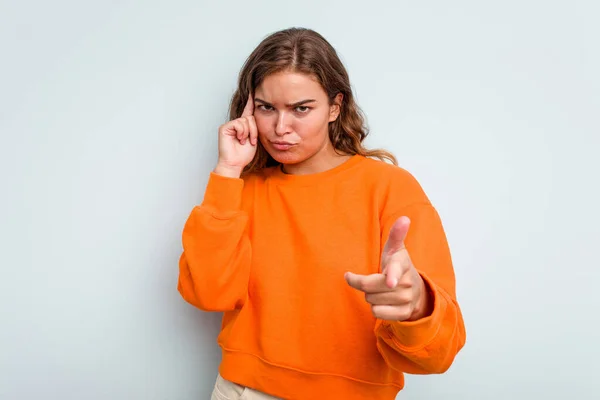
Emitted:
pixel 226 390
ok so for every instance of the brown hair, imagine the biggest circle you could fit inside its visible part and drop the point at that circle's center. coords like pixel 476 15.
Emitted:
pixel 305 51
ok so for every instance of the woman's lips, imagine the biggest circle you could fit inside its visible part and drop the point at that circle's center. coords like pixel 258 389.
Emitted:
pixel 282 145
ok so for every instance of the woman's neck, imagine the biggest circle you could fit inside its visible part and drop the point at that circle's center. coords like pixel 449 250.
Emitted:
pixel 323 160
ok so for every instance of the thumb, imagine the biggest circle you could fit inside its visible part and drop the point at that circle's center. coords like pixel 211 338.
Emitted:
pixel 397 235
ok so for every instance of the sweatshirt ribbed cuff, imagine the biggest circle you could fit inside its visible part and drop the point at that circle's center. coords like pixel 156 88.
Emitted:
pixel 412 335
pixel 223 193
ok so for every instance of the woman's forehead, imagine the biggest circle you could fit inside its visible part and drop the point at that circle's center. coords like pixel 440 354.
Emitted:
pixel 289 87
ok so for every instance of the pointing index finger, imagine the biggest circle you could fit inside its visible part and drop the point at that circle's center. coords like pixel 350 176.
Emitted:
pixel 397 235
pixel 249 109
pixel 395 266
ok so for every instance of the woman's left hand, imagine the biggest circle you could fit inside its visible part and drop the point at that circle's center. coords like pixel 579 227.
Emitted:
pixel 398 293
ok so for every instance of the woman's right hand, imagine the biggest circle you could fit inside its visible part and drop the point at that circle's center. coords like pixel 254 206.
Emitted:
pixel 238 140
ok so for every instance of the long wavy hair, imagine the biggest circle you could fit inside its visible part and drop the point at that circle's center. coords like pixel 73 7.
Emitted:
pixel 305 51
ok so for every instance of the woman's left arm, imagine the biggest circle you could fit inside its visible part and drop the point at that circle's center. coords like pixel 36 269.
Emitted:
pixel 419 326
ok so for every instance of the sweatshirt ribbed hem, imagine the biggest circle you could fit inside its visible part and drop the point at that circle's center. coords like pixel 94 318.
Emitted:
pixel 286 383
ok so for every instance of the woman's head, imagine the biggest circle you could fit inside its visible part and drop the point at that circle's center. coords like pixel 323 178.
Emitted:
pixel 292 114
pixel 288 67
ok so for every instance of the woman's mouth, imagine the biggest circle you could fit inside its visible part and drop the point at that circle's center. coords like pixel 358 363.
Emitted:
pixel 283 145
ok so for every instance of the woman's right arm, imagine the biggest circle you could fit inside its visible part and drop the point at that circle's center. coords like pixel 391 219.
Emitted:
pixel 215 265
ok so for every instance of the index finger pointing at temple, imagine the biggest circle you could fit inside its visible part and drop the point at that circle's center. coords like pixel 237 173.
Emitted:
pixel 249 109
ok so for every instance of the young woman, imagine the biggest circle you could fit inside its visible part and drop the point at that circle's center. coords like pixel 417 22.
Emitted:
pixel 331 266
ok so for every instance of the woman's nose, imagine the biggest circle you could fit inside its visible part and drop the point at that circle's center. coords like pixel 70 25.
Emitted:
pixel 282 124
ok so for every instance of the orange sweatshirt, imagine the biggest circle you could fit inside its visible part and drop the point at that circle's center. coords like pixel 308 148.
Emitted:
pixel 271 250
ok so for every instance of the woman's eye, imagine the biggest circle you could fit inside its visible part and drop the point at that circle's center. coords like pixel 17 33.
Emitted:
pixel 299 109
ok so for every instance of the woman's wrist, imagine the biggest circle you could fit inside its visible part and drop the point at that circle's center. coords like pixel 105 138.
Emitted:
pixel 424 306
pixel 228 171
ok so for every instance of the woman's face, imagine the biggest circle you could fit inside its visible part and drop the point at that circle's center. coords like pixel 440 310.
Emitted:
pixel 292 114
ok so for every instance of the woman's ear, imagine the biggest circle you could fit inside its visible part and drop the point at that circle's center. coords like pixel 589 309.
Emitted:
pixel 336 107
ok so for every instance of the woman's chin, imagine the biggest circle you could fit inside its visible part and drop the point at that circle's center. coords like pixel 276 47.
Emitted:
pixel 286 157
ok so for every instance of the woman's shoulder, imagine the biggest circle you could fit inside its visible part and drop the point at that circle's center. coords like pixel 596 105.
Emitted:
pixel 388 173
pixel 393 181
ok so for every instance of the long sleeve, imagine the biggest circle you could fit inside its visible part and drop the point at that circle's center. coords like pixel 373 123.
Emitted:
pixel 214 267
pixel 428 345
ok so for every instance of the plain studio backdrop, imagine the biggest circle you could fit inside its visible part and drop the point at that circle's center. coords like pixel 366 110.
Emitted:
pixel 108 117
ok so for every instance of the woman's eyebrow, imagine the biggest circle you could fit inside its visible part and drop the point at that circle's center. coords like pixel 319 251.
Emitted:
pixel 293 105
